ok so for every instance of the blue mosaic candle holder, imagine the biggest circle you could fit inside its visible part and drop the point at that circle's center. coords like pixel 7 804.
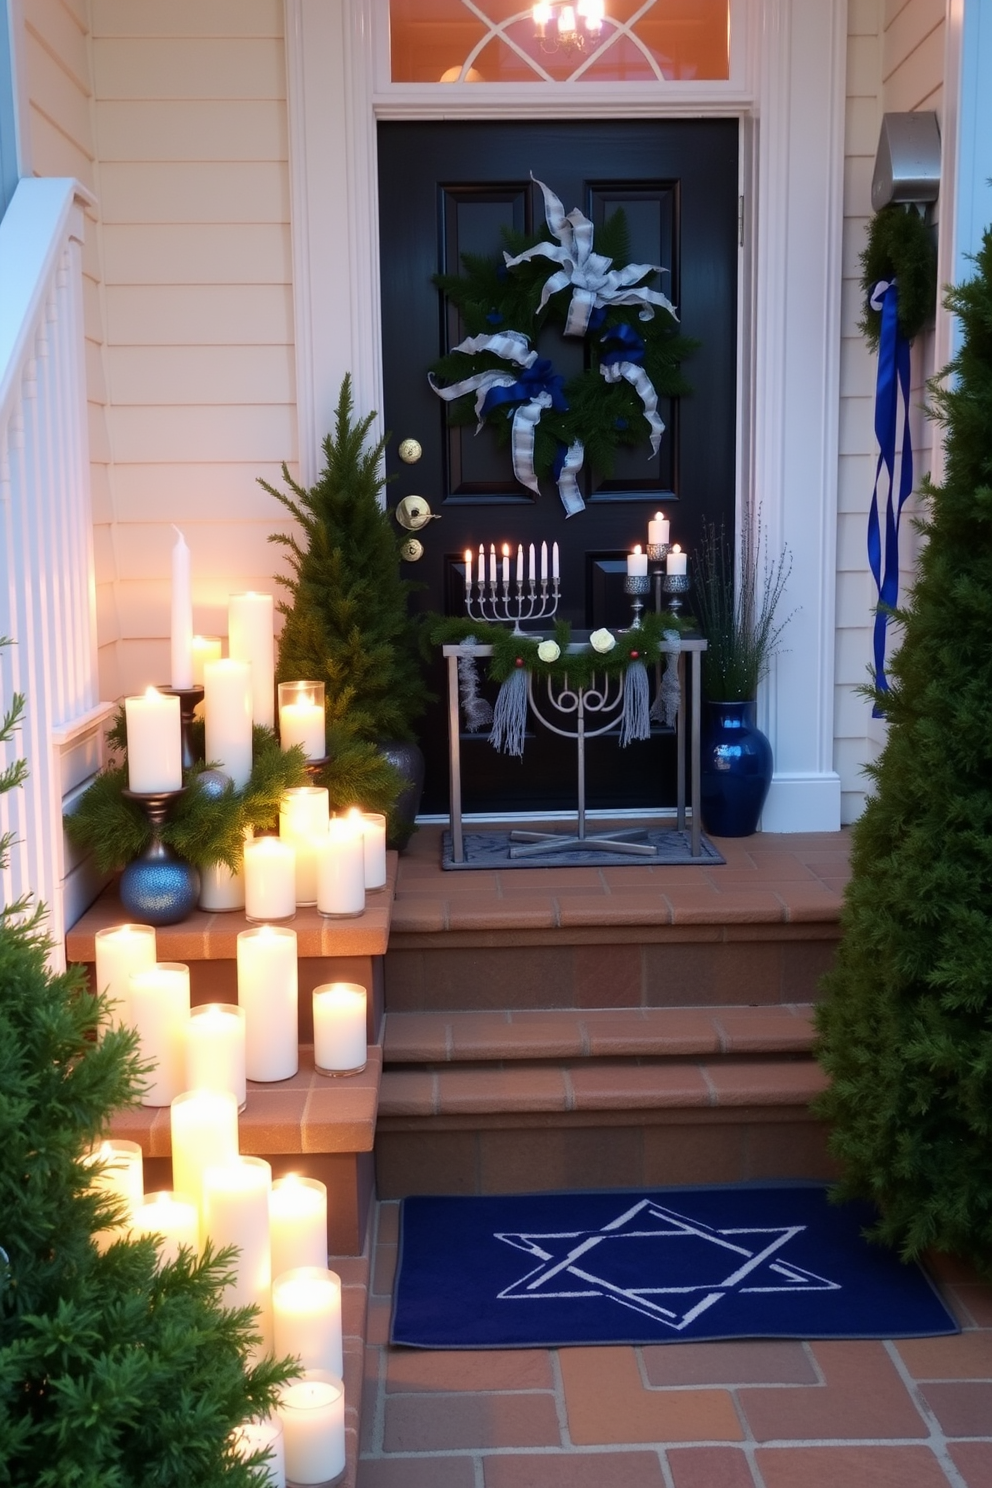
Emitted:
pixel 159 887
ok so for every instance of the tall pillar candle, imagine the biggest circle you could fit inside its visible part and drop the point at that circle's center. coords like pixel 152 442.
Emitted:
pixel 297 1223
pixel 268 990
pixel 117 1173
pixel 182 613
pixel 251 638
pixel 270 880
pixel 304 815
pixel 339 1037
pixel 341 870
pixel 227 717
pixel 374 843
pixel 306 1317
pixel 312 1413
pixel 204 1134
pixel 301 717
pixel 263 1436
pixel 154 743
pixel 120 950
pixel 159 1004
pixel 215 1049
pixel 175 1217
pixel 236 1212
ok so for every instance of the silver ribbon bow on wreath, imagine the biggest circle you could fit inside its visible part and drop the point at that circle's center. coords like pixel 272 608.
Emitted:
pixel 533 389
pixel 595 284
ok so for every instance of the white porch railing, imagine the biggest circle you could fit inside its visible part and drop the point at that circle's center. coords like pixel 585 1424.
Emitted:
pixel 47 593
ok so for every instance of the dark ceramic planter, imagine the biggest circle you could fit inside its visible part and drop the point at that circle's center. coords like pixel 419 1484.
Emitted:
pixel 736 769
pixel 408 759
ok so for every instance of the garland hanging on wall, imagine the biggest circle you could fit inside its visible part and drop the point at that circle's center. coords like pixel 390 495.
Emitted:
pixel 633 349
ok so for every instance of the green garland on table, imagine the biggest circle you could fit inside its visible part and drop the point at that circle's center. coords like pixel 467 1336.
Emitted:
pixel 495 298
pixel 900 246
pixel 513 652
pixel 201 828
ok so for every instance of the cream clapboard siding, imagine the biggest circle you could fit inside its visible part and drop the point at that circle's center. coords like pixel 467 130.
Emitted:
pixel 58 64
pixel 895 64
pixel 192 141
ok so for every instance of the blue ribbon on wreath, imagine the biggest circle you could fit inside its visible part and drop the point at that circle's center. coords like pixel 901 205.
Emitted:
pixel 539 378
pixel 891 389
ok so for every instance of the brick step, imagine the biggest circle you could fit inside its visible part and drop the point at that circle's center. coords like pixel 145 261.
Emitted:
pixel 504 1037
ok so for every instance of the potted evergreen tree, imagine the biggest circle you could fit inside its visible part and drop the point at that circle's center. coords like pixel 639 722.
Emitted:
pixel 906 1030
pixel 113 1369
pixel 737 617
pixel 347 624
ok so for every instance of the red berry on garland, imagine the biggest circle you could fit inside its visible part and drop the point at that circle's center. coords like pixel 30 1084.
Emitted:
pixel 634 655
pixel 519 661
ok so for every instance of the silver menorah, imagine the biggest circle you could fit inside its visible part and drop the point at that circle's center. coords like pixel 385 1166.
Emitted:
pixel 500 602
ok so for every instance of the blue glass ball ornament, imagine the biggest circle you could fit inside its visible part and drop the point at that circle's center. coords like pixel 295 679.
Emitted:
pixel 213 783
pixel 158 888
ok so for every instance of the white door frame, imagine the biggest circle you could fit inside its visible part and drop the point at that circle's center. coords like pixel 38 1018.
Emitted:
pixel 792 111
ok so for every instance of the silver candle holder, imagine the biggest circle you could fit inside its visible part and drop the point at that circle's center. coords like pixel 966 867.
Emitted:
pixel 503 602
pixel 675 585
pixel 636 585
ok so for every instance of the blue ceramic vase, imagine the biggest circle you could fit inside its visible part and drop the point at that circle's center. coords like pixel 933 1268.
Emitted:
pixel 159 888
pixel 736 770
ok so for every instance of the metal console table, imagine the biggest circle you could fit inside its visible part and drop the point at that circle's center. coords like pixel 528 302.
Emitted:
pixel 692 646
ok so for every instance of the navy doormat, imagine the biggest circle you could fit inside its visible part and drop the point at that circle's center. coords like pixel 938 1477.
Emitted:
pixel 651 1266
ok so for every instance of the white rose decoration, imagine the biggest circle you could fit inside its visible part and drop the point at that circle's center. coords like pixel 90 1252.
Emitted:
pixel 602 640
pixel 549 650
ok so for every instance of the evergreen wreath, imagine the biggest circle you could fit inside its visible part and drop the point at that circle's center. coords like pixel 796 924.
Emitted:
pixel 900 246
pixel 515 293
pixel 204 827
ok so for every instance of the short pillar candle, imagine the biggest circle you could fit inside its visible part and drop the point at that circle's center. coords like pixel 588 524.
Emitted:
pixel 159 1007
pixel 118 1173
pixel 205 648
pixel 676 562
pixel 268 990
pixel 339 1028
pixel 172 1215
pixel 306 1317
pixel 227 717
pixel 304 814
pixel 312 1413
pixel 270 880
pixel 251 638
pixel 236 1212
pixel 301 717
pixel 154 743
pixel 341 870
pixel 263 1436
pixel 215 1049
pixel 374 840
pixel 297 1223
pixel 121 950
pixel 204 1134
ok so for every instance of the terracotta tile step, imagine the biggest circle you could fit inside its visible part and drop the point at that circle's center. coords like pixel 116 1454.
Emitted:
pixel 596 1085
pixel 565 1033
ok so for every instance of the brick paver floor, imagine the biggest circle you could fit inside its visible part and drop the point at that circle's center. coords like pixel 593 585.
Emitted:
pixel 763 1414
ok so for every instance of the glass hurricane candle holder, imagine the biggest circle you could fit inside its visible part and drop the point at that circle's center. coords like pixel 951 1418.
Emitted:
pixel 301 717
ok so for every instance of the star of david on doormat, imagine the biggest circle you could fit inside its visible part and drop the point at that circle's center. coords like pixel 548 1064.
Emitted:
pixel 548 1270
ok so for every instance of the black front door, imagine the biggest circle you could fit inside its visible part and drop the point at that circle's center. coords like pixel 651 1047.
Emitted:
pixel 449 188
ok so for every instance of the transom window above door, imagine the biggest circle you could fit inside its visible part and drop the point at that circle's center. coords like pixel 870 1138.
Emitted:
pixel 600 41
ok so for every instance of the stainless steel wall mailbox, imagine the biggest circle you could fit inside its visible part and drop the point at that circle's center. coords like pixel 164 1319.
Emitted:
pixel 907 165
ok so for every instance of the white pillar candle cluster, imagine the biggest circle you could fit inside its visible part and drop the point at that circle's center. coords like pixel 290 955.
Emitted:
pixel 172 1215
pixel 251 639
pixel 339 1028
pixel 304 815
pixel 306 1317
pixel 159 1006
pixel 204 648
pixel 270 880
pixel 312 1413
pixel 268 990
pixel 297 1223
pixel 227 717
pixel 301 717
pixel 236 1212
pixel 121 950
pixel 341 869
pixel 374 840
pixel 154 743
pixel 215 1049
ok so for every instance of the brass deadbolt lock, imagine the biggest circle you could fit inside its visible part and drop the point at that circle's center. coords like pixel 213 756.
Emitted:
pixel 412 550
pixel 410 451
pixel 413 512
